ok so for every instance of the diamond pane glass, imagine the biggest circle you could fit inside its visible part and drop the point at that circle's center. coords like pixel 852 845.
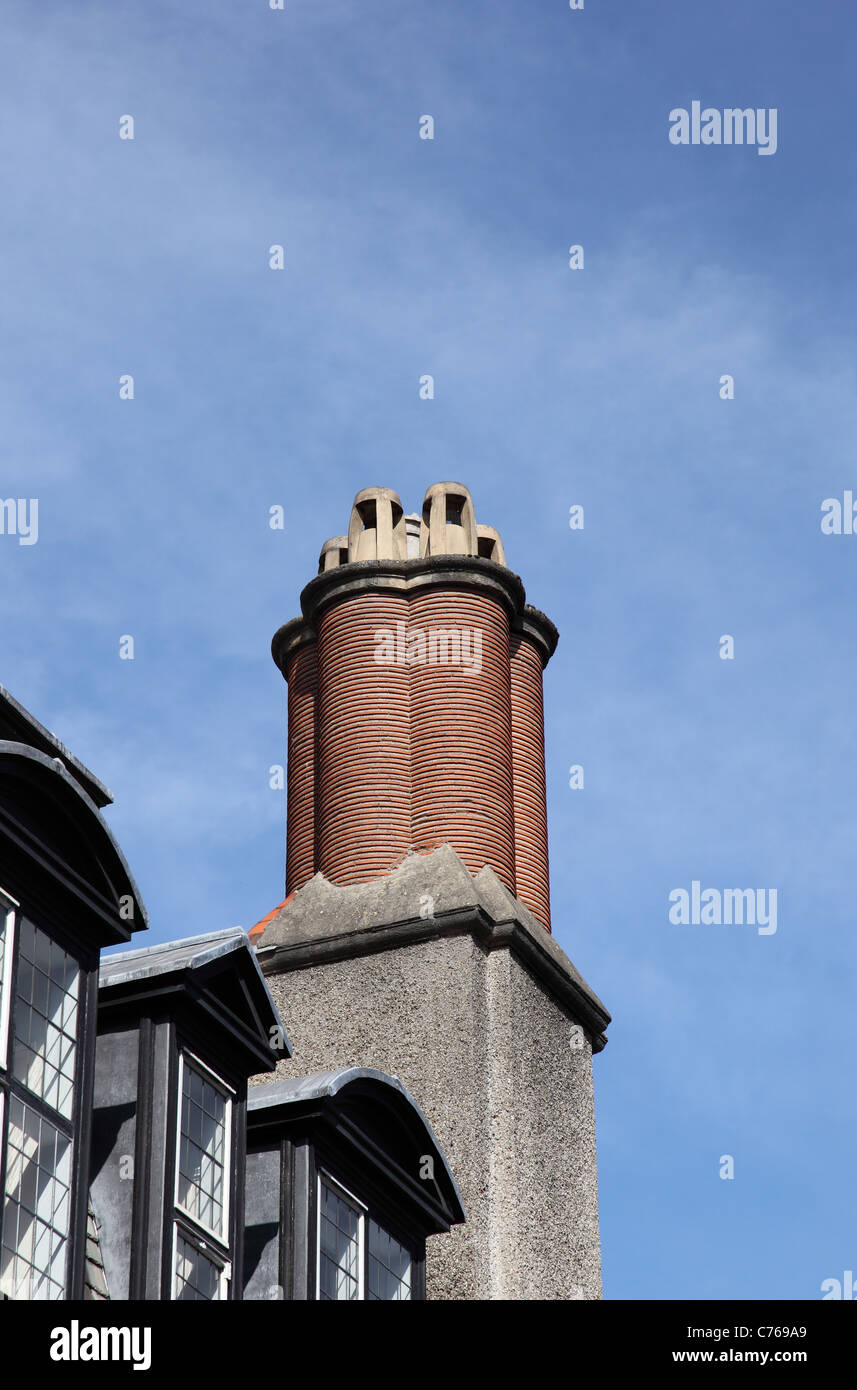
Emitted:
pixel 34 1250
pixel 46 1017
pixel 339 1263
pixel 202 1150
pixel 197 1277
pixel 389 1267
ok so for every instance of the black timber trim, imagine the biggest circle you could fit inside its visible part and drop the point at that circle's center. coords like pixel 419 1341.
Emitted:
pixel 181 996
pixel 65 881
pixel 18 725
pixel 171 1121
pixel 229 1250
pixel 322 1118
pixel 288 1213
pixel 76 1128
pixel 83 1106
pixel 60 796
pixel 142 1160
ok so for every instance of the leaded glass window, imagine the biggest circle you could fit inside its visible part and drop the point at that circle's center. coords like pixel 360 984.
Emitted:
pixel 339 1246
pixel 202 1266
pixel 357 1258
pixel 198 1278
pixel 46 1015
pixel 36 1215
pixel 202 1157
pixel 389 1267
pixel 39 1028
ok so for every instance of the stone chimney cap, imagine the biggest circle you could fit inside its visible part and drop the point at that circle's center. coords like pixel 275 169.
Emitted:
pixel 379 529
pixel 490 545
pixel 376 530
pixel 334 552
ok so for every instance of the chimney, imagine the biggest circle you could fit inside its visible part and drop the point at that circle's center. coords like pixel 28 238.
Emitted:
pixel 415 936
pixel 415 701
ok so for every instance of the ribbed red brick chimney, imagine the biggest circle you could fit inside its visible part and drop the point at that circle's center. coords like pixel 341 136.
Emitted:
pixel 415 701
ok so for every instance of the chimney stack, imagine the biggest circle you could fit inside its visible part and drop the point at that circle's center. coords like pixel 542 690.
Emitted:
pixel 415 701
pixel 415 936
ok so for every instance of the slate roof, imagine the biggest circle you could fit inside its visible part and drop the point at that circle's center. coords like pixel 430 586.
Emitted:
pixel 95 1288
pixel 190 954
pixel 18 726
pixel 321 1085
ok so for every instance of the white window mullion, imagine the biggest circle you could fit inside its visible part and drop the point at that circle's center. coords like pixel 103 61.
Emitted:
pixel 7 943
pixel 201 1191
pixel 40 1060
pixel 341 1226
pixel 207 1154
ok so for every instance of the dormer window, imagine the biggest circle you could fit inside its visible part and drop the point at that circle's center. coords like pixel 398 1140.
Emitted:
pixel 181 1026
pixel 66 893
pixel 357 1258
pixel 345 1181
pixel 202 1255
pixel 38 1059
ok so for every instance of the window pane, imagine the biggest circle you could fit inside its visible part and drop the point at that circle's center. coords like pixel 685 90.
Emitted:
pixel 202 1150
pixel 389 1266
pixel 339 1262
pixel 197 1277
pixel 46 1018
pixel 36 1210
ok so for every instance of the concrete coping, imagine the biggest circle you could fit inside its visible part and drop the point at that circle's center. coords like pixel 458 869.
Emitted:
pixel 461 571
pixel 325 921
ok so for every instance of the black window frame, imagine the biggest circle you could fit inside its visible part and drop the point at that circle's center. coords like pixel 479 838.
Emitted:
pixel 226 1253
pixel 75 1128
pixel 326 1159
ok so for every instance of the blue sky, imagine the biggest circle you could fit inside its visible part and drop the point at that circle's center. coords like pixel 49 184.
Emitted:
pixel 553 387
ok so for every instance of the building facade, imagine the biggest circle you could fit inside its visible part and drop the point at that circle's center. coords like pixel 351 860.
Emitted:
pixel 131 1165
pixel 65 893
